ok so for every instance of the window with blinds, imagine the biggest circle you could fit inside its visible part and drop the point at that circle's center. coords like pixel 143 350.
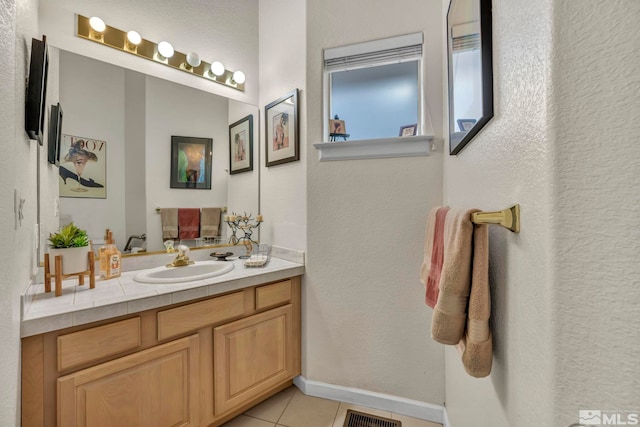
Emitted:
pixel 372 89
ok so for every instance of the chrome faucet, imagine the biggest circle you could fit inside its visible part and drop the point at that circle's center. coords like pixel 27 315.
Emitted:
pixel 127 247
pixel 182 259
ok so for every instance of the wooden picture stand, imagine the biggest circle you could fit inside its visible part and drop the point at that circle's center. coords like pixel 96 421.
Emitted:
pixel 59 277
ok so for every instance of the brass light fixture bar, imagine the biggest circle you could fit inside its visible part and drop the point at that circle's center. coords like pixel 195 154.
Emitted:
pixel 507 218
pixel 117 39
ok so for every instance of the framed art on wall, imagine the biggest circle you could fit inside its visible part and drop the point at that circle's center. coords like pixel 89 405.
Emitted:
pixel 191 162
pixel 83 169
pixel 241 145
pixel 282 144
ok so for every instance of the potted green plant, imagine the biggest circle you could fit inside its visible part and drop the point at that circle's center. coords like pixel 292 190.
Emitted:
pixel 73 244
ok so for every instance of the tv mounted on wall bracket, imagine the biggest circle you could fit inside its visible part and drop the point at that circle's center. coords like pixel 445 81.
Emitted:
pixel 36 93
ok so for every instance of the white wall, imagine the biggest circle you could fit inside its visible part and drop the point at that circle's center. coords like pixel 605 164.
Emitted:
pixel 92 96
pixel 594 116
pixel 226 31
pixel 243 194
pixel 365 321
pixel 134 150
pixel 174 110
pixel 283 188
pixel 17 154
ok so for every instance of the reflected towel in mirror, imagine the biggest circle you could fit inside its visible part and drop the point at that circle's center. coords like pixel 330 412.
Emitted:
pixel 169 220
pixel 210 222
pixel 188 223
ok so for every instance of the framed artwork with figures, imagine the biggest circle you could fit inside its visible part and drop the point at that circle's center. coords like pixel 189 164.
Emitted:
pixel 241 145
pixel 282 144
pixel 191 159
pixel 83 167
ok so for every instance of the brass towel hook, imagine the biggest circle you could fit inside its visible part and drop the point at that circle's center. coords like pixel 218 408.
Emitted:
pixel 507 218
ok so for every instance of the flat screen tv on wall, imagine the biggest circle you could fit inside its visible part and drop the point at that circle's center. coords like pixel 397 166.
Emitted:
pixel 35 105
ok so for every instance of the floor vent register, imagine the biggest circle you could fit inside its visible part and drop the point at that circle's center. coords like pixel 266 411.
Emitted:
pixel 360 419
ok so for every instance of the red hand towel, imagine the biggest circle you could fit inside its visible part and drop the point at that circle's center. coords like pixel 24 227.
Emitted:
pixel 189 223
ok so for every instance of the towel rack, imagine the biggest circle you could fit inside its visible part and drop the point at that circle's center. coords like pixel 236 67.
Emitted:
pixel 222 209
pixel 507 218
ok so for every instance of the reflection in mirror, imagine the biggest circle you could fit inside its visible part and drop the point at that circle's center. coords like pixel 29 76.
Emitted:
pixel 470 70
pixel 136 115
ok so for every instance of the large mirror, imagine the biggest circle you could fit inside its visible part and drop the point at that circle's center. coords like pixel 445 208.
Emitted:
pixel 136 115
pixel 470 70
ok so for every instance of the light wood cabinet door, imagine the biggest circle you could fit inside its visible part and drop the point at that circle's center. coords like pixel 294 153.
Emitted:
pixel 152 388
pixel 251 356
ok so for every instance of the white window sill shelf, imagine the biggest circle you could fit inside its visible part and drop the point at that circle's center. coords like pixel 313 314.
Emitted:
pixel 407 146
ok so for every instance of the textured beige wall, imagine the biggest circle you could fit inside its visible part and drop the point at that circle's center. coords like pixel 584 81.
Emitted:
pixel 562 144
pixel 365 320
pixel 18 170
pixel 510 161
pixel 595 116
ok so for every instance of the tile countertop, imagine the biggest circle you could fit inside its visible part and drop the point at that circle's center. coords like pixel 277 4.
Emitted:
pixel 43 312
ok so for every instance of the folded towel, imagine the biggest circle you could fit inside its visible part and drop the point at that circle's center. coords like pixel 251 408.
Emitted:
pixel 209 222
pixel 189 223
pixel 450 313
pixel 436 256
pixel 169 220
pixel 477 347
pixel 425 268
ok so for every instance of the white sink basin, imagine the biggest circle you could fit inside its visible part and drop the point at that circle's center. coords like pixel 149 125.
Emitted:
pixel 199 270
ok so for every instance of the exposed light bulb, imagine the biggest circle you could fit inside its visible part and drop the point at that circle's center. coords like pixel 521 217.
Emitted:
pixel 134 38
pixel 165 49
pixel 239 77
pixel 193 59
pixel 97 24
pixel 217 69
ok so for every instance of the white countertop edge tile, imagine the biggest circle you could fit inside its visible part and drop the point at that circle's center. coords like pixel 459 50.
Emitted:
pixel 39 318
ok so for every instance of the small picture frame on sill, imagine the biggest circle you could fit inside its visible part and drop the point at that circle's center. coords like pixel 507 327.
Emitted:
pixel 408 130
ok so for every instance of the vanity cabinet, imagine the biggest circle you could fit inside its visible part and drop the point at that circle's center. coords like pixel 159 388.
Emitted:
pixel 251 356
pixel 198 363
pixel 154 387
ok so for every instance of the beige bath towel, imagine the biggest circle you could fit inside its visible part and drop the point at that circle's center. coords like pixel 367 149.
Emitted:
pixel 169 220
pixel 450 313
pixel 476 346
pixel 209 222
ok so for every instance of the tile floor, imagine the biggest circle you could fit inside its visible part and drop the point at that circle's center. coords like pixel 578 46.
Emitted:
pixel 291 408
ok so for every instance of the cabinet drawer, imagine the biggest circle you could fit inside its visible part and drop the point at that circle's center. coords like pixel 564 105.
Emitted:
pixel 86 346
pixel 273 295
pixel 181 320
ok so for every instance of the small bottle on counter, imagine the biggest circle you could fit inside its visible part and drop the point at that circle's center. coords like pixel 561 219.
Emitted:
pixel 110 258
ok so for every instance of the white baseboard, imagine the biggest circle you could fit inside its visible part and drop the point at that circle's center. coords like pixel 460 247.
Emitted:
pixel 446 422
pixel 370 399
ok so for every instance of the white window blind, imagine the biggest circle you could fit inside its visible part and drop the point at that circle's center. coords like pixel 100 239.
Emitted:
pixel 465 36
pixel 378 52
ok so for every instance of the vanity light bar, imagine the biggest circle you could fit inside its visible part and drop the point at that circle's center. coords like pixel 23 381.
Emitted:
pixel 146 49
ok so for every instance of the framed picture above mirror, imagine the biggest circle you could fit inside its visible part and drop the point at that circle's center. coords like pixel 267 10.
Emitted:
pixel 470 70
